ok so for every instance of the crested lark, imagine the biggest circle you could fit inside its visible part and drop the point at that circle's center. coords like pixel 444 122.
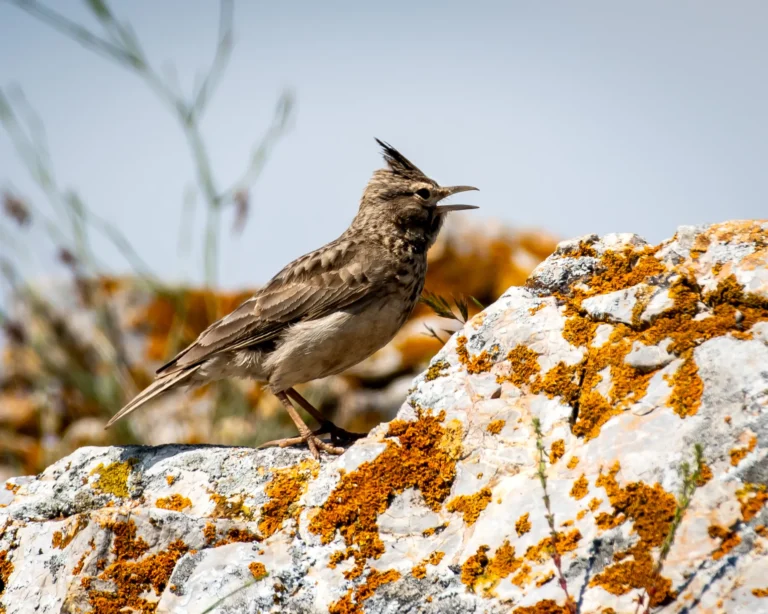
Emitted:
pixel 329 309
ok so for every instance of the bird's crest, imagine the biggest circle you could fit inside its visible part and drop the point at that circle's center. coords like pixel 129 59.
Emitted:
pixel 399 164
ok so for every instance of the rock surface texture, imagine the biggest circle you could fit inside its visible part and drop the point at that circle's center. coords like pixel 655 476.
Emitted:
pixel 628 354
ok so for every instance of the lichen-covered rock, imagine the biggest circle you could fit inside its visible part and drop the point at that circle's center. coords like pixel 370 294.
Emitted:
pixel 627 354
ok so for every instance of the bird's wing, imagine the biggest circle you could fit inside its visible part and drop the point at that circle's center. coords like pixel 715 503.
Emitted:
pixel 337 276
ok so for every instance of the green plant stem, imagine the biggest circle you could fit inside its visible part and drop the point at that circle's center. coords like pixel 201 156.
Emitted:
pixel 542 473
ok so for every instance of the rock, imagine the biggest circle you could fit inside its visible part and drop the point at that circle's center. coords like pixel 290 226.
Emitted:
pixel 442 509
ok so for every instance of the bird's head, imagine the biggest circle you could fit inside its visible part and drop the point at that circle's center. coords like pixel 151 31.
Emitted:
pixel 402 197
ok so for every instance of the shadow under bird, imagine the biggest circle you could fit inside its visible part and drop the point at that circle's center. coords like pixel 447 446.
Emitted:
pixel 329 309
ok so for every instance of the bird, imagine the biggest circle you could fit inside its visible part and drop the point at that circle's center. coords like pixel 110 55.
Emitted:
pixel 328 309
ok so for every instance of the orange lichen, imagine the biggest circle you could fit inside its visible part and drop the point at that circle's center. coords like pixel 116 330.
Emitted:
pixel 232 507
pixel 420 570
pixel 209 533
pixel 474 364
pixel 258 571
pixel 470 506
pixel 6 569
pixel 494 428
pixel 594 504
pixel 728 540
pixel 556 451
pixel 132 579
pixel 14 488
pixel 175 503
pixel 752 498
pixel 738 454
pixel 524 367
pixel 436 370
pixel 579 331
pixel 687 388
pixel 425 459
pixel 761 530
pixel 760 592
pixel 284 490
pixel 61 539
pixel 705 475
pixel 545 606
pixel 170 480
pixel 479 572
pixel 432 530
pixel 580 488
pixel 544 579
pixel 651 510
pixel 522 577
pixel 523 524
pixel 732 311
pixel 236 534
pixel 542 551
pixel 574 460
pixel 375 579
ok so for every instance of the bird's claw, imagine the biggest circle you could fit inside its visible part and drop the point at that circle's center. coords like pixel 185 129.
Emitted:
pixel 314 443
pixel 338 434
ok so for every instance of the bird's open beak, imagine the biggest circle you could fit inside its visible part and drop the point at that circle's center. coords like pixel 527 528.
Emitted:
pixel 455 190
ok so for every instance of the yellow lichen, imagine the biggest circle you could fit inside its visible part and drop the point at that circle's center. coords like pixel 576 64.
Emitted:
pixel 523 525
pixel 258 571
pixel 574 460
pixel 175 503
pixel 436 370
pixel 470 505
pixel 580 488
pixel 494 428
pixel 113 478
pixel 760 592
pixel 284 490
pixel 170 479
pixel 230 507
pixel 425 459
pixel 556 451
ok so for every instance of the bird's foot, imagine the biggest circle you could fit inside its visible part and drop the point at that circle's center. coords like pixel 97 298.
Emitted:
pixel 338 434
pixel 314 443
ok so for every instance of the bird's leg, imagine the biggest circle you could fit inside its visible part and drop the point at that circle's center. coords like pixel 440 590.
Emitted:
pixel 338 434
pixel 305 435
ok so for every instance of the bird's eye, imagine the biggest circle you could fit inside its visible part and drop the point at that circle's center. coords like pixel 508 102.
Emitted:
pixel 423 193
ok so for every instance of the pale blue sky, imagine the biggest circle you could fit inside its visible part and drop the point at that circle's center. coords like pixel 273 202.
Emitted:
pixel 577 117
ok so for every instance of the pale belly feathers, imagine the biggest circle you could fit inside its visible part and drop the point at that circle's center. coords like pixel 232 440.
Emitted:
pixel 319 348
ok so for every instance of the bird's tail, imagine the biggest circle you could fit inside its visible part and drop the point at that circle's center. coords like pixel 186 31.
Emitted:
pixel 156 388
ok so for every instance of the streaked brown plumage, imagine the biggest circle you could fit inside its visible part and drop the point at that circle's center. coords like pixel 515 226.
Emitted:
pixel 330 308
